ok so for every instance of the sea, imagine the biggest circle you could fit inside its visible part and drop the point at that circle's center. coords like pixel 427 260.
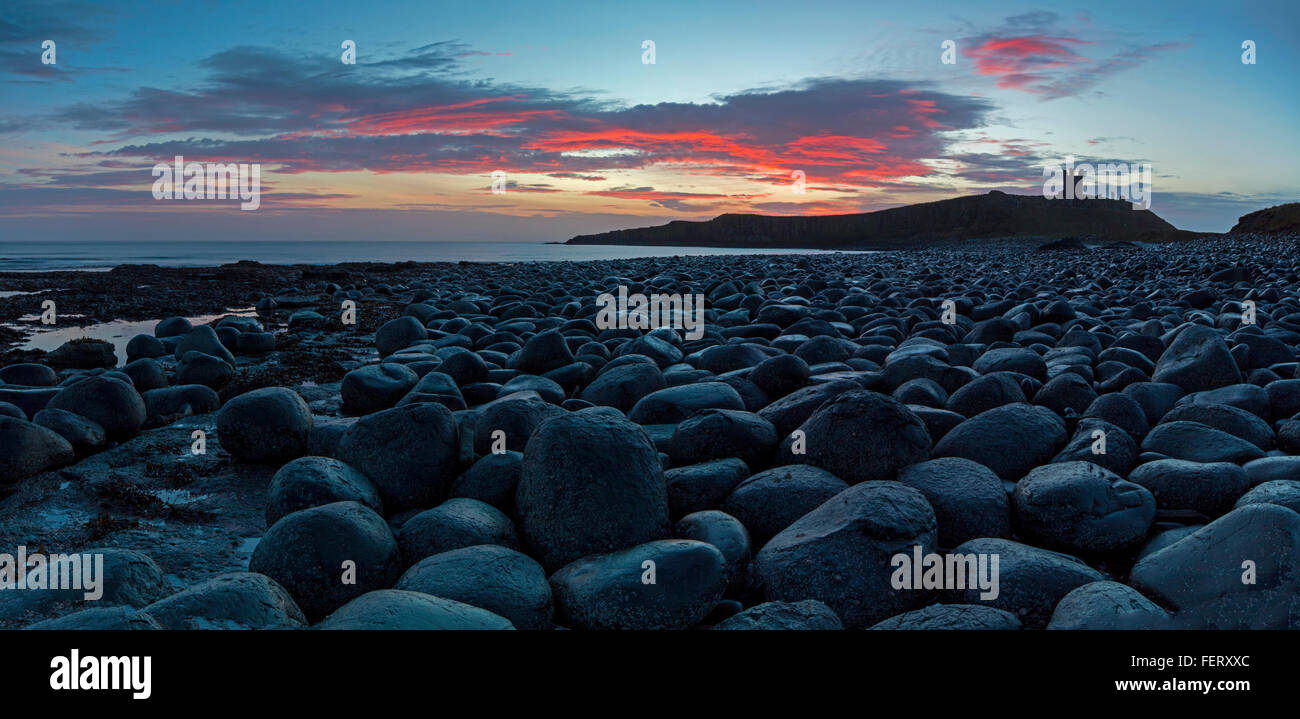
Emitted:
pixel 16 256
pixel 100 256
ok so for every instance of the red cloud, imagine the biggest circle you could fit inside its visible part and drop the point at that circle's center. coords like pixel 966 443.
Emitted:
pixel 464 117
pixel 846 134
pixel 1021 62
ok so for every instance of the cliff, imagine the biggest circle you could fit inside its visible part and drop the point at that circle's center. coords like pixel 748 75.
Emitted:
pixel 995 215
pixel 1281 218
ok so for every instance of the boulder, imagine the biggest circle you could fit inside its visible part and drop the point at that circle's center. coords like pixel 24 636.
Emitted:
pixel 841 552
pixel 665 584
pixel 271 425
pixel 590 483
pixel 410 453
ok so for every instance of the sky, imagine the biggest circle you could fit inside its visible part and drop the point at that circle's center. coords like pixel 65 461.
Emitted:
pixel 742 100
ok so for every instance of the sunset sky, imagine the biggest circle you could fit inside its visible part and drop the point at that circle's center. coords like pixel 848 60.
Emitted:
pixel 402 144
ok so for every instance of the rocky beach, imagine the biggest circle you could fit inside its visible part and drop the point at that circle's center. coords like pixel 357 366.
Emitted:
pixel 1114 426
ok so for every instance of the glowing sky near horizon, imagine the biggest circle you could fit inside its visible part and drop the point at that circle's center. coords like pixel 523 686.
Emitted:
pixel 403 144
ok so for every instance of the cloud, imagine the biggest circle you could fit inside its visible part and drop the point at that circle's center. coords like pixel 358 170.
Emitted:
pixel 1021 63
pixel 1034 53
pixel 418 113
pixel 24 26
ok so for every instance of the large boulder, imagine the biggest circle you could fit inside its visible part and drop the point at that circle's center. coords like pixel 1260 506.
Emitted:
pixel 1199 443
pixel 410 453
pixel 1082 508
pixel 675 404
pixel 84 435
pixel 787 413
pixel 172 327
pixel 1107 605
pixel 1209 488
pixel 146 374
pixel 1241 571
pixel 27 448
pixel 590 483
pixel 841 553
pixel 271 424
pixel 492 479
pixel 952 617
pixel 404 610
pixel 808 614
pixel 83 353
pixel 1197 360
pixel 517 416
pixel 623 386
pixel 1284 492
pixel 1010 440
pixel 727 534
pixel 861 436
pixel 1103 444
pixel 721 433
pixel 780 375
pixel 99 619
pixel 106 401
pixel 770 501
pixel 498 579
pixel 239 600
pixel 454 524
pixel 326 556
pixel 203 339
pixel 398 334
pixel 968 498
pixel 697 487
pixel 374 387
pixel 1225 418
pixel 168 404
pixel 29 374
pixel 666 584
pixel 542 353
pixel 1031 581
pixel 199 368
pixel 314 481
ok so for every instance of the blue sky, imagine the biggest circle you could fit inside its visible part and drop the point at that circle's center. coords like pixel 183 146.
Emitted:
pixel 402 144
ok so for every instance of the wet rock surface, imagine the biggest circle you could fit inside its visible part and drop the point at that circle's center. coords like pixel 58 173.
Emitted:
pixel 476 451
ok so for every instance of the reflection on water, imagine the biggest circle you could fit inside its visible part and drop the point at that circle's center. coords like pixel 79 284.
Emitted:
pixel 118 332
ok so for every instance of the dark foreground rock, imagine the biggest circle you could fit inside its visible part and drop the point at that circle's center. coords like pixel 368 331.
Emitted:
pixel 1115 428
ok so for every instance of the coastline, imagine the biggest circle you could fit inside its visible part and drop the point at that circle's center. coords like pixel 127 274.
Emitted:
pixel 133 292
pixel 841 346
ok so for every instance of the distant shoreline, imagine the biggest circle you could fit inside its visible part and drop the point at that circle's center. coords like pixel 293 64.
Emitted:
pixel 102 256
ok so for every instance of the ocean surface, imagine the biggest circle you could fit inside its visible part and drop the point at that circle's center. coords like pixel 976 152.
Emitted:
pixel 104 255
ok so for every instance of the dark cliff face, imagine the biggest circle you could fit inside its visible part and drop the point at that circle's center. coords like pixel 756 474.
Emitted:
pixel 996 214
pixel 1281 218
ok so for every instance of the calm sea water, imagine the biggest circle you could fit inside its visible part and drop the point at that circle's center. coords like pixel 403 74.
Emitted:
pixel 34 257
